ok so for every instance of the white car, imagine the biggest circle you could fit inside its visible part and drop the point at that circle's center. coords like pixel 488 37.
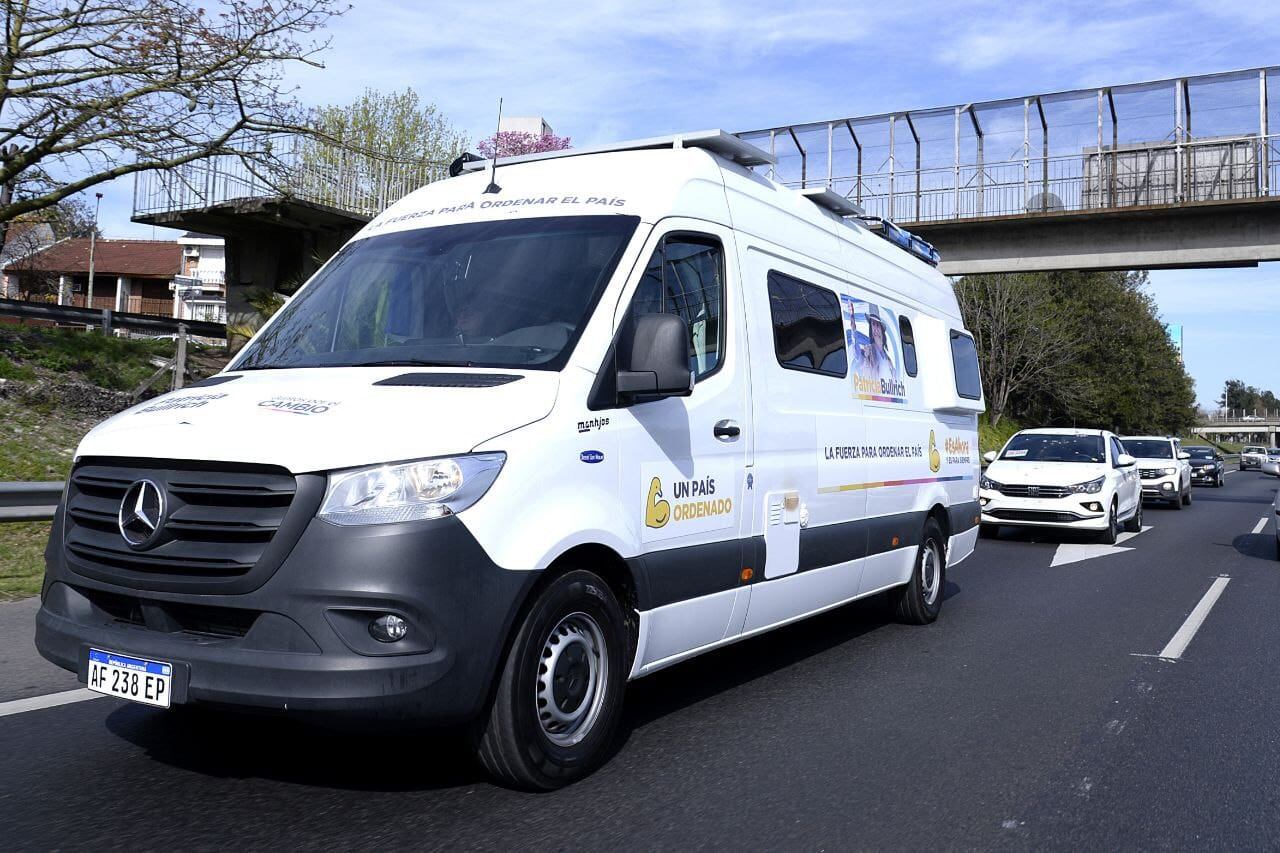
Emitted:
pixel 1074 479
pixel 1165 468
pixel 1276 507
pixel 1252 457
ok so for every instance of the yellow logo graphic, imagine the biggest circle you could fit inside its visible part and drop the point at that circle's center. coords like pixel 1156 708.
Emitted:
pixel 657 512
pixel 935 458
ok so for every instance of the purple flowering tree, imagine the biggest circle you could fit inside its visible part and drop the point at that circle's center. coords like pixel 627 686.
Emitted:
pixel 512 143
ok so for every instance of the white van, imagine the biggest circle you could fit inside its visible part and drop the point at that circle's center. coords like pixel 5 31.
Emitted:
pixel 515 445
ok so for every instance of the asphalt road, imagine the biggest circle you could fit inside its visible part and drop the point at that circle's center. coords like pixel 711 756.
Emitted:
pixel 1033 714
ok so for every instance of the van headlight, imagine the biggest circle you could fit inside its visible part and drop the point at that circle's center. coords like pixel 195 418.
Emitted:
pixel 1090 488
pixel 409 491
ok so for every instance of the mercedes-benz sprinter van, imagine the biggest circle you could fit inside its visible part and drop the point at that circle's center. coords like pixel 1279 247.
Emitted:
pixel 534 432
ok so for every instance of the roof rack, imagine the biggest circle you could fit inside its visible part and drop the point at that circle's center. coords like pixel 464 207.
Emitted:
pixel 718 142
pixel 828 198
pixel 903 239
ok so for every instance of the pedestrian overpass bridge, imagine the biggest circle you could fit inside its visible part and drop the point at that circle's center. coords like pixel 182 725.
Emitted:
pixel 1182 172
pixel 1106 178
pixel 1261 427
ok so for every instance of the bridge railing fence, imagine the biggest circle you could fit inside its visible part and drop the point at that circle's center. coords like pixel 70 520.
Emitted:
pixel 284 165
pixel 1218 169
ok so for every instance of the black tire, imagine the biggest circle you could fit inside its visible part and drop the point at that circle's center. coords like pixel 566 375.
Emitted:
pixel 1186 497
pixel 988 531
pixel 1222 479
pixel 1278 545
pixel 1134 525
pixel 920 600
pixel 1176 503
pixel 1108 536
pixel 518 741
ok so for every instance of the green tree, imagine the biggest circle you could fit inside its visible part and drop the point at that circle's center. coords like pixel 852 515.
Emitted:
pixel 372 151
pixel 1113 364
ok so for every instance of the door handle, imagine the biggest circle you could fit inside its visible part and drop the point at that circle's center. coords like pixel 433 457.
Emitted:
pixel 727 430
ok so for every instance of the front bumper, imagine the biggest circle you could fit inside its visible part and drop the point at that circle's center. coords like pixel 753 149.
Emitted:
pixel 300 641
pixel 1072 512
pixel 1206 474
pixel 1166 488
pixel 1248 462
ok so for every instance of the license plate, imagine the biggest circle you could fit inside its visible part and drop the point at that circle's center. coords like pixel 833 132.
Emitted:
pixel 136 679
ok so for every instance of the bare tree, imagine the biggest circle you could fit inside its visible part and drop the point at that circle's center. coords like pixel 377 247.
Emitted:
pixel 92 90
pixel 1025 338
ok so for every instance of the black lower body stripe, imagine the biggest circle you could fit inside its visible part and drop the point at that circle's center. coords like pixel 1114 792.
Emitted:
pixel 681 574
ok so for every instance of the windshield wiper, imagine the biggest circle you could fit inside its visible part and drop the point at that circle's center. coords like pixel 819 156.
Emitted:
pixel 409 362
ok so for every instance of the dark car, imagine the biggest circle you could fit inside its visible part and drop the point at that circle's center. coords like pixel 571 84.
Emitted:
pixel 1207 467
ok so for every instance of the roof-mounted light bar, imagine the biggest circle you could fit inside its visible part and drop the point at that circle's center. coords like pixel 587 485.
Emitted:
pixel 903 239
pixel 718 142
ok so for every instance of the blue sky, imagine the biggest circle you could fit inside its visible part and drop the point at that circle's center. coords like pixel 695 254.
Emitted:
pixel 612 70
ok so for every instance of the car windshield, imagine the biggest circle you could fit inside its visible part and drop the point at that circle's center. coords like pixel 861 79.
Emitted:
pixel 1051 447
pixel 1254 450
pixel 1275 451
pixel 514 293
pixel 1198 452
pixel 1148 448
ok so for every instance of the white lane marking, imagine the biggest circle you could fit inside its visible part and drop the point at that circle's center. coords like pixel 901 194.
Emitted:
pixel 1262 522
pixel 51 700
pixel 1073 552
pixel 1176 646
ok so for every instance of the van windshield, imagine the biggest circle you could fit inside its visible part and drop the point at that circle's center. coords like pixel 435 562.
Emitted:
pixel 515 293
pixel 1050 447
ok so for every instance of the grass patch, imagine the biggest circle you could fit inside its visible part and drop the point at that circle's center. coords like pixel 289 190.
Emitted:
pixel 119 364
pixel 33 447
pixel 22 559
pixel 994 437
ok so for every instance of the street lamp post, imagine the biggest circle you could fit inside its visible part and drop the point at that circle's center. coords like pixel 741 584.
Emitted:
pixel 93 245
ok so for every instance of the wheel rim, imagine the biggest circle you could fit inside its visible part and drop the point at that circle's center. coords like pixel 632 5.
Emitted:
pixel 573 671
pixel 930 572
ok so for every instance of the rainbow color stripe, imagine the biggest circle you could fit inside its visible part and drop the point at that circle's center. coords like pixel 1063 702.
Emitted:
pixel 879 398
pixel 857 487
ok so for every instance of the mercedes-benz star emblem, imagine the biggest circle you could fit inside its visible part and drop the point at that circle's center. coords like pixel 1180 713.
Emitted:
pixel 141 513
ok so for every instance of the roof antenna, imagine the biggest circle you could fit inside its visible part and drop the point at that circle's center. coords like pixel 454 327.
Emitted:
pixel 493 171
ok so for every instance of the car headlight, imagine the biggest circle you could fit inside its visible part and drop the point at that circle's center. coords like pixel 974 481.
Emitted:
pixel 1168 471
pixel 408 491
pixel 1090 488
pixel 985 482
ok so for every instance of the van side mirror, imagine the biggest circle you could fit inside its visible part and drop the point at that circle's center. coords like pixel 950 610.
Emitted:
pixel 990 456
pixel 1124 460
pixel 653 358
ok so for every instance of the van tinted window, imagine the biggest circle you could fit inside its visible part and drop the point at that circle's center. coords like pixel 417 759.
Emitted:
pixel 685 276
pixel 908 346
pixel 808 333
pixel 965 357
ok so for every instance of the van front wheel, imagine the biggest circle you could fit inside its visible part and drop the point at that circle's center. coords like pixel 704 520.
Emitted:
pixel 920 601
pixel 559 695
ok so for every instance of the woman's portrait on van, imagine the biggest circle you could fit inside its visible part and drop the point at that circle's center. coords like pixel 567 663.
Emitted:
pixel 870 339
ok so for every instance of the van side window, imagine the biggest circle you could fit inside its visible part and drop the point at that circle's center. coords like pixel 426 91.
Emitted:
pixel 908 345
pixel 1117 449
pixel 964 355
pixel 685 276
pixel 808 332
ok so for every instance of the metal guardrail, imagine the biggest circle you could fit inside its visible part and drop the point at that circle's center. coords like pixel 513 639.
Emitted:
pixel 29 501
pixel 108 319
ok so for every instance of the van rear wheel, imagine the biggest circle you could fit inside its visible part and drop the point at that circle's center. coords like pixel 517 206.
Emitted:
pixel 920 600
pixel 559 695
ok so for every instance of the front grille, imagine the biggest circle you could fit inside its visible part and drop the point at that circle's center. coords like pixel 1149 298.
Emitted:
pixel 220 521
pixel 1024 491
pixel 1034 515
pixel 1152 473
pixel 172 617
